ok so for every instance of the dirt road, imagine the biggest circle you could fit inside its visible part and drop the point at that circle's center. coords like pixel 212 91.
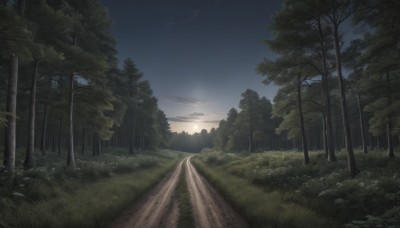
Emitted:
pixel 209 208
pixel 159 208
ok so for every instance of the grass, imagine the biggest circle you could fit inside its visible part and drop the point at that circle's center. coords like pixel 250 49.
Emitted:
pixel 275 187
pixel 260 208
pixel 186 219
pixel 91 196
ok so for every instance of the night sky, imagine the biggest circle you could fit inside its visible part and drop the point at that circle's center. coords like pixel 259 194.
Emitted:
pixel 199 55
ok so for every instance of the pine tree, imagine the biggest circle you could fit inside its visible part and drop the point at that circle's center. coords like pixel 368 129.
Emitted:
pixel 80 45
pixel 15 39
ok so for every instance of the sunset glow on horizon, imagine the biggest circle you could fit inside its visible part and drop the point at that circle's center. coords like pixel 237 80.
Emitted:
pixel 191 127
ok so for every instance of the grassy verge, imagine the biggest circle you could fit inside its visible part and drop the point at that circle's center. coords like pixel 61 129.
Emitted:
pixel 371 199
pixel 90 196
pixel 260 208
pixel 186 219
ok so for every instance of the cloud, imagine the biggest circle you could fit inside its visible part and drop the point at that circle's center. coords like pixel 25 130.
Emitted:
pixel 194 117
pixel 211 121
pixel 188 118
pixel 186 100
pixel 180 119
pixel 197 114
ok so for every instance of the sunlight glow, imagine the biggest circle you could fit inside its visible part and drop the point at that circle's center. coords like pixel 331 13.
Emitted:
pixel 195 127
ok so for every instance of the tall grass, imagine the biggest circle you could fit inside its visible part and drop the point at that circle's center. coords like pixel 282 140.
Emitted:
pixel 90 196
pixel 261 208
pixel 323 187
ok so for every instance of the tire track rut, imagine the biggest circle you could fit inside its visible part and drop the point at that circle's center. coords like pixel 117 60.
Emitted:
pixel 159 208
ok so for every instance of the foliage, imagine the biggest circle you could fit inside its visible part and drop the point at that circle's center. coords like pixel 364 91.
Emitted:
pixel 322 186
pixel 53 196
pixel 251 128
pixel 192 143
pixel 260 208
pixel 391 218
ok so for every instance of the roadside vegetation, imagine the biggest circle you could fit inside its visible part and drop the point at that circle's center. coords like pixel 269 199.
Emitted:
pixel 91 195
pixel 276 189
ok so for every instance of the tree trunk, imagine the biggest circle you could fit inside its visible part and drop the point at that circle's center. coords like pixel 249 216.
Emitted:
pixel 251 138
pixel 131 140
pixel 53 141
pixel 362 125
pixel 29 157
pixel 326 97
pixel 60 137
pixel 83 141
pixel 44 131
pixel 94 144
pixel 371 142
pixel 71 158
pixel 301 120
pixel 378 143
pixel 389 121
pixel 347 134
pixel 99 144
pixel 389 137
pixel 5 147
pixel 324 137
pixel 12 115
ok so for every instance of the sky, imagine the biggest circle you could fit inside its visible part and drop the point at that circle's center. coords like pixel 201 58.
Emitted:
pixel 199 55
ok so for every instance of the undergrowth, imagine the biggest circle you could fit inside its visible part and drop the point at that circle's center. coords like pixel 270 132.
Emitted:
pixel 52 195
pixel 325 188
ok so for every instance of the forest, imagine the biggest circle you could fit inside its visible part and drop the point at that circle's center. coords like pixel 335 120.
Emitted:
pixel 335 93
pixel 64 90
pixel 77 126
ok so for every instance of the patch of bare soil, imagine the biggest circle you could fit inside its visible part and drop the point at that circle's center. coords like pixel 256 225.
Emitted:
pixel 209 208
pixel 158 208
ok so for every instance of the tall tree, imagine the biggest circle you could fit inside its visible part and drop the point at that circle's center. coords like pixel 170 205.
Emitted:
pixel 336 12
pixel 351 58
pixel 40 17
pixel 251 116
pixel 14 39
pixel 299 26
pixel 131 76
pixel 290 72
pixel 81 45
pixel 382 58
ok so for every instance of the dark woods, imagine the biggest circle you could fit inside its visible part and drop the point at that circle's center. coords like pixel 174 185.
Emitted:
pixel 61 88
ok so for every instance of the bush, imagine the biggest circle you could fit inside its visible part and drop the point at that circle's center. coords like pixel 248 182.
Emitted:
pixel 391 218
pixel 322 186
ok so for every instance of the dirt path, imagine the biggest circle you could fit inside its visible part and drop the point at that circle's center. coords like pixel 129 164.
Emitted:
pixel 209 208
pixel 159 208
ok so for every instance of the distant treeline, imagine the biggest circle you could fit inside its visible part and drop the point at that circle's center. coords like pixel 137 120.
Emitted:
pixel 193 143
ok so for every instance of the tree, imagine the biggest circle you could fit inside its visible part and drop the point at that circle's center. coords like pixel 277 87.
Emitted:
pixel 15 37
pixel 225 129
pixel 131 77
pixel 80 45
pixel 336 12
pixel 39 15
pixel 289 72
pixel 163 129
pixel 382 59
pixel 251 116
pixel 298 29
pixel 352 62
